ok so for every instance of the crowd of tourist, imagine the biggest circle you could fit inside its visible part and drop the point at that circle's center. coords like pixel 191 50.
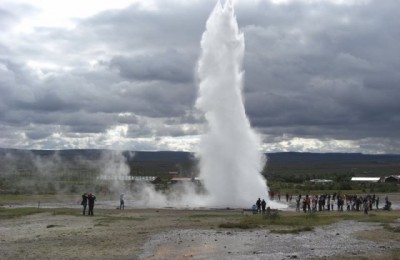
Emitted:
pixel 337 202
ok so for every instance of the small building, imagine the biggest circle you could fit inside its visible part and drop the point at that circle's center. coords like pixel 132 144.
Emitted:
pixel 392 179
pixel 366 179
pixel 119 177
pixel 320 181
pixel 185 180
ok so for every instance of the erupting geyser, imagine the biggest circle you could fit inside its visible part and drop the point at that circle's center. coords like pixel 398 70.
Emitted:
pixel 230 160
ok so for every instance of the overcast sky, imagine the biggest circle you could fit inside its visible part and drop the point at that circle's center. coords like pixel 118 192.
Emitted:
pixel 320 75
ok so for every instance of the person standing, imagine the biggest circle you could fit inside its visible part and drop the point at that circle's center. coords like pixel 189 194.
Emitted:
pixel 329 202
pixel 377 202
pixel 263 205
pixel 258 203
pixel 366 205
pixel 91 199
pixel 254 209
pixel 308 202
pixel 84 202
pixel 121 201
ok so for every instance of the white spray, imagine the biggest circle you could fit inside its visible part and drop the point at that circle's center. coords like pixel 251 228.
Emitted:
pixel 230 160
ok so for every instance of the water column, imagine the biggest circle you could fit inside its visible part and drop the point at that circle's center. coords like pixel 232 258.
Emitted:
pixel 230 159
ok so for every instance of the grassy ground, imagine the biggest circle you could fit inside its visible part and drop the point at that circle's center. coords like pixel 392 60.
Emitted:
pixel 277 220
pixel 296 222
pixel 6 199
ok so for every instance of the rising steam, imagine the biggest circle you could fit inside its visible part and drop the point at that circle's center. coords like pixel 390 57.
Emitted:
pixel 230 160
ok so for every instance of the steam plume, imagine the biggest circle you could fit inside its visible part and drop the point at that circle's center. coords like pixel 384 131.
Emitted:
pixel 230 160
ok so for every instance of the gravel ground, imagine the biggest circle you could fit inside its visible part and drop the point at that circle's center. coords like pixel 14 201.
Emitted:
pixel 336 239
pixel 182 234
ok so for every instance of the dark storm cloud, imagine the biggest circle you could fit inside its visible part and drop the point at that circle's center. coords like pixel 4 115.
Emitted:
pixel 323 70
pixel 171 24
pixel 314 70
pixel 102 90
pixel 169 66
pixel 38 134
pixel 88 128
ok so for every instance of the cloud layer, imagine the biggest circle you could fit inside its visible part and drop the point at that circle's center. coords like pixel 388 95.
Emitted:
pixel 319 76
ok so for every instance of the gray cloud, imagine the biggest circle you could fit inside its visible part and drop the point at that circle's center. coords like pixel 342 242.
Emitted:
pixel 172 24
pixel 170 66
pixel 312 70
pixel 323 72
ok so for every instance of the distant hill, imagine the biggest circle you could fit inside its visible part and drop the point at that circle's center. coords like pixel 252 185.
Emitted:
pixel 295 157
pixel 163 162
pixel 178 156
pixel 94 154
pixel 163 156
